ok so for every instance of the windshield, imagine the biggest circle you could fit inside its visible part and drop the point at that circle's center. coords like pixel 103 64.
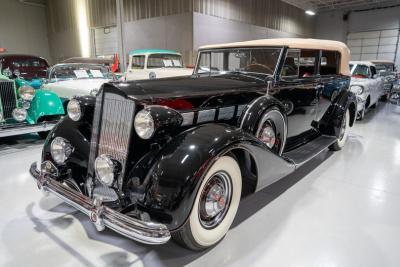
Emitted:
pixel 247 60
pixel 164 61
pixel 359 71
pixel 80 71
pixel 384 67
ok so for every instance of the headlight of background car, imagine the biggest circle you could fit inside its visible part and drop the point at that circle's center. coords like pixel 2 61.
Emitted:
pixel 104 168
pixel 60 150
pixel 358 90
pixel 26 92
pixel 74 110
pixel 144 124
pixel 7 72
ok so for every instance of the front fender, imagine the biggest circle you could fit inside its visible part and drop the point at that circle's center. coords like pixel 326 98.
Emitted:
pixel 176 174
pixel 45 103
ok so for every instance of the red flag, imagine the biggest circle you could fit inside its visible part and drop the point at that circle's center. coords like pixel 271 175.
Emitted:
pixel 115 65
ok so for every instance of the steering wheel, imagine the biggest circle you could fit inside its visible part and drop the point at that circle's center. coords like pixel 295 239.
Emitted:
pixel 258 68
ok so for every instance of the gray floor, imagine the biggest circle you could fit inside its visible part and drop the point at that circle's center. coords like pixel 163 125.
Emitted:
pixel 341 209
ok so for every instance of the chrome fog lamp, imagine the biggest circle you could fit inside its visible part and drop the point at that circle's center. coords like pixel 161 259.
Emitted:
pixel 144 124
pixel 19 114
pixel 26 92
pixel 358 90
pixel 74 110
pixel 60 150
pixel 104 168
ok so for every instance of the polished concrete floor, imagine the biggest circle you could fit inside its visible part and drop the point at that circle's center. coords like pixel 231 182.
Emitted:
pixel 341 209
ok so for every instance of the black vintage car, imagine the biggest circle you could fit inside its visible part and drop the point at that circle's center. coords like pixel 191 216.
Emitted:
pixel 173 157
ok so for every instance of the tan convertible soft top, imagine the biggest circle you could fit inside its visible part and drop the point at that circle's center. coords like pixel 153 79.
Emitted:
pixel 300 43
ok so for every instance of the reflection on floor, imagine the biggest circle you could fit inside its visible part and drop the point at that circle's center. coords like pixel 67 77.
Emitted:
pixel 340 209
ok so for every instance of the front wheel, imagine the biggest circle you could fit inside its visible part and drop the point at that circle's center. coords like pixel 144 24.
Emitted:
pixel 343 134
pixel 215 206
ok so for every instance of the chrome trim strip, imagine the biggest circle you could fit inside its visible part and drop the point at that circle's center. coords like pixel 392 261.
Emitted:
pixel 18 129
pixel 102 216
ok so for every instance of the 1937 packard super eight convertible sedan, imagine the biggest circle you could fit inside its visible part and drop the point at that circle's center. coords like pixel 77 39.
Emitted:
pixel 173 157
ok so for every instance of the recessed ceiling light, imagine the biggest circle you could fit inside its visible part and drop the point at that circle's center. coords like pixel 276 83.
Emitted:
pixel 310 12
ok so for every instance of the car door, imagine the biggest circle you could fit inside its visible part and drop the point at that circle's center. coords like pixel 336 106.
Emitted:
pixel 297 90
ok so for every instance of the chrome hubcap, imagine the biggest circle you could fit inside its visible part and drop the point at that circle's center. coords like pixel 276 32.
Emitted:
pixel 215 200
pixel 267 135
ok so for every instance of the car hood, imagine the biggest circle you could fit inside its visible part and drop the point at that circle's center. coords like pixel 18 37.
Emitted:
pixel 83 84
pixel 190 86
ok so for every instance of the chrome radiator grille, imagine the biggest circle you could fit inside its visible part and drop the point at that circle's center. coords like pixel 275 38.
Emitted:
pixel 112 127
pixel 8 98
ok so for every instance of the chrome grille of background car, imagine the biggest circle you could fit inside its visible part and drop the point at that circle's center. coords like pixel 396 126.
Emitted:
pixel 112 127
pixel 8 98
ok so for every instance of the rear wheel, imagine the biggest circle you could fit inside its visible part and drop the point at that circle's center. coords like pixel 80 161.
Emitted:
pixel 343 134
pixel 215 206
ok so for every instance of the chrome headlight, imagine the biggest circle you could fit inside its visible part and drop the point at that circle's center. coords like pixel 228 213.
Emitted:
pixel 94 92
pixel 60 150
pixel 144 124
pixel 104 168
pixel 358 90
pixel 26 92
pixel 19 114
pixel 7 72
pixel 74 110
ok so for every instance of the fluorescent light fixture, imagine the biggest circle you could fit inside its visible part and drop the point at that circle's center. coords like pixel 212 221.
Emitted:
pixel 310 12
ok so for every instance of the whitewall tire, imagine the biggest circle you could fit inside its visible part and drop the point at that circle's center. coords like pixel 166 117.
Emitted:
pixel 344 132
pixel 215 206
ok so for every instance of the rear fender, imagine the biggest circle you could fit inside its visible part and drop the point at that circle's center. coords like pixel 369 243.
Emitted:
pixel 331 121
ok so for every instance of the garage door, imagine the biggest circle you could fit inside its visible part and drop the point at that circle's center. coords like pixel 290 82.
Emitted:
pixel 373 44
pixel 105 41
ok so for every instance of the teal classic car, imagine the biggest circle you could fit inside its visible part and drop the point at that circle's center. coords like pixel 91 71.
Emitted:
pixel 24 109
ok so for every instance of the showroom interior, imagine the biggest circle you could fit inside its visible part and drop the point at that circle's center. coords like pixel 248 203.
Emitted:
pixel 200 132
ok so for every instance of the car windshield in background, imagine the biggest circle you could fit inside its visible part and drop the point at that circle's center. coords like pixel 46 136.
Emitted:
pixel 29 63
pixel 359 71
pixel 80 71
pixel 257 60
pixel 384 67
pixel 164 61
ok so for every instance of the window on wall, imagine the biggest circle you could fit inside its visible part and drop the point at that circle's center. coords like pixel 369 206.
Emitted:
pixel 330 61
pixel 137 62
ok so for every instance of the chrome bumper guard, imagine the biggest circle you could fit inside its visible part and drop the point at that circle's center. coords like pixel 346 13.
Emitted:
pixel 22 128
pixel 101 215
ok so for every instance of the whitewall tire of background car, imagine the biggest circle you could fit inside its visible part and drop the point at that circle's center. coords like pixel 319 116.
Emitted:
pixel 215 206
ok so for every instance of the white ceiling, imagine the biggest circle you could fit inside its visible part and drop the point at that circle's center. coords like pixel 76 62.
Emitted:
pixel 325 5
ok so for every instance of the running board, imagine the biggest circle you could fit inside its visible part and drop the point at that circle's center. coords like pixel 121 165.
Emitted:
pixel 301 155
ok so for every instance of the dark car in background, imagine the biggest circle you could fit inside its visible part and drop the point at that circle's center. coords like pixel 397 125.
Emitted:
pixel 27 67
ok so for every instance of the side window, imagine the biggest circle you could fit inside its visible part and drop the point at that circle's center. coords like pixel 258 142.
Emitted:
pixel 330 61
pixel 138 62
pixel 308 63
pixel 291 66
pixel 373 71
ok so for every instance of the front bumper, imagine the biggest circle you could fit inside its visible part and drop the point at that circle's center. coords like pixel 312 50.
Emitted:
pixel 101 215
pixel 23 128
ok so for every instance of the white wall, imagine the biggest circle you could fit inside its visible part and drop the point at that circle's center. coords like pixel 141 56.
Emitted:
pixel 23 29
pixel 213 30
pixel 331 26
pixel 167 32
